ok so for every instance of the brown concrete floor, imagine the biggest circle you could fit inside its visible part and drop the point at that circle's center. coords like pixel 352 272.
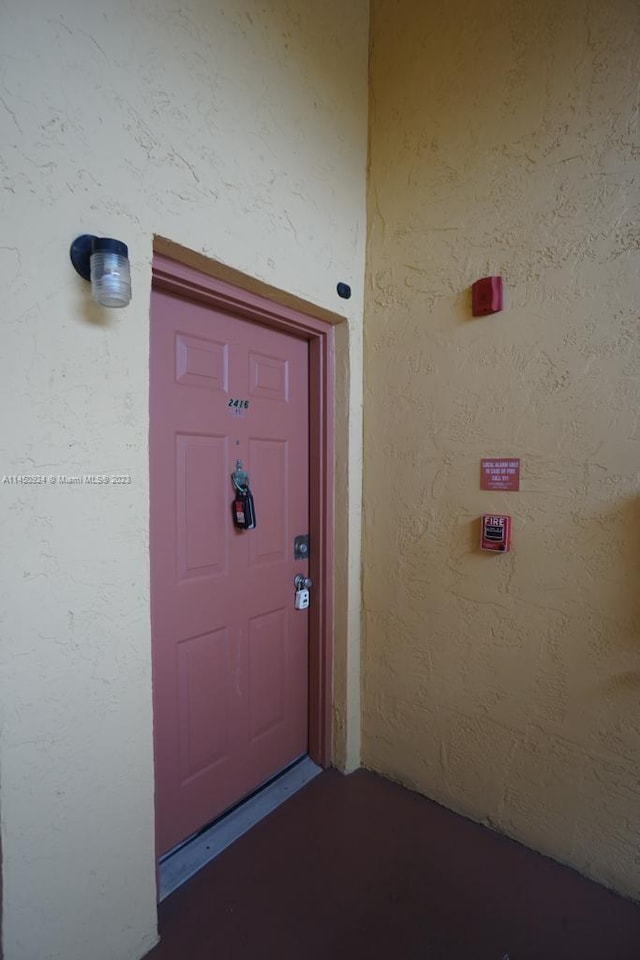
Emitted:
pixel 358 867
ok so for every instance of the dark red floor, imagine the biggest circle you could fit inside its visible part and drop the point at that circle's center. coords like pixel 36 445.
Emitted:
pixel 357 867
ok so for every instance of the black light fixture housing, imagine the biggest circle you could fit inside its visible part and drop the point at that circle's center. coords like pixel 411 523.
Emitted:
pixel 104 262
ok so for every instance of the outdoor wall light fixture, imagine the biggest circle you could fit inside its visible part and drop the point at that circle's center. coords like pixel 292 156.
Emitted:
pixel 105 262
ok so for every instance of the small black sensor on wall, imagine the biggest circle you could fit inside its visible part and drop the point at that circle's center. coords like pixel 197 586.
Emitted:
pixel 344 290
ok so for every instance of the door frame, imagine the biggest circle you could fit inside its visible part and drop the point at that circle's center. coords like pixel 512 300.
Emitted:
pixel 178 278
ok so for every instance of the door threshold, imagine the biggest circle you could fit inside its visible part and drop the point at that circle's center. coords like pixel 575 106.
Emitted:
pixel 179 865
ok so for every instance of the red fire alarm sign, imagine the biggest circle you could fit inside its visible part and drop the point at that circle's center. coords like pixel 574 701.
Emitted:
pixel 495 533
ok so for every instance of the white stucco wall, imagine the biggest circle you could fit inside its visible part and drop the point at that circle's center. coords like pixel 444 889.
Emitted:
pixel 237 130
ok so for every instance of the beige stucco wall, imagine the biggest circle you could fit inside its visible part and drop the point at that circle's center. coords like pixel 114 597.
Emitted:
pixel 237 130
pixel 506 139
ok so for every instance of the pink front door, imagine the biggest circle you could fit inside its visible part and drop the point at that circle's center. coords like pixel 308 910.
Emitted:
pixel 230 652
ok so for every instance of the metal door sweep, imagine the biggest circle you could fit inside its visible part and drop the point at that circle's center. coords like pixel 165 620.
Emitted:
pixel 184 861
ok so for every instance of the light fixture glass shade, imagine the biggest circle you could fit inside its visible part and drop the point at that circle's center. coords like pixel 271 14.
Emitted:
pixel 110 274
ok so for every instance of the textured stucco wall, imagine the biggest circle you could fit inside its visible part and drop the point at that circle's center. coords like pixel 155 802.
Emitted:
pixel 506 139
pixel 237 130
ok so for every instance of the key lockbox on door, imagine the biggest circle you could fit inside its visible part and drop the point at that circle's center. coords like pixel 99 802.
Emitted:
pixel 243 509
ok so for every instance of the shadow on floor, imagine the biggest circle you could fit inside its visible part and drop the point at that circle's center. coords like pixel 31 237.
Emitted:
pixel 358 867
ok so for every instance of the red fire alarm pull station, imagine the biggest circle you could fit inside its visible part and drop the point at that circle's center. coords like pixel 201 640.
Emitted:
pixel 486 296
pixel 496 533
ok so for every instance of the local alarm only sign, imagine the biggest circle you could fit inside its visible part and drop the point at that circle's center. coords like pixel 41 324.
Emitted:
pixel 499 474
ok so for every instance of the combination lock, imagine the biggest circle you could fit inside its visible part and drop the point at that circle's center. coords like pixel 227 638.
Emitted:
pixel 302 585
pixel 302 600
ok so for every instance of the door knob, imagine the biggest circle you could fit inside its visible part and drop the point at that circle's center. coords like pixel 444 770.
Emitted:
pixel 301 582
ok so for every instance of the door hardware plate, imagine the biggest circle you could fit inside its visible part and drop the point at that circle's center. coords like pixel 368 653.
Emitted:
pixel 301 547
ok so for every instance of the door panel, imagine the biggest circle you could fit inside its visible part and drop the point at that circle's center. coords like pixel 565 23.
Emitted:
pixel 267 669
pixel 230 653
pixel 270 458
pixel 201 505
pixel 203 720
